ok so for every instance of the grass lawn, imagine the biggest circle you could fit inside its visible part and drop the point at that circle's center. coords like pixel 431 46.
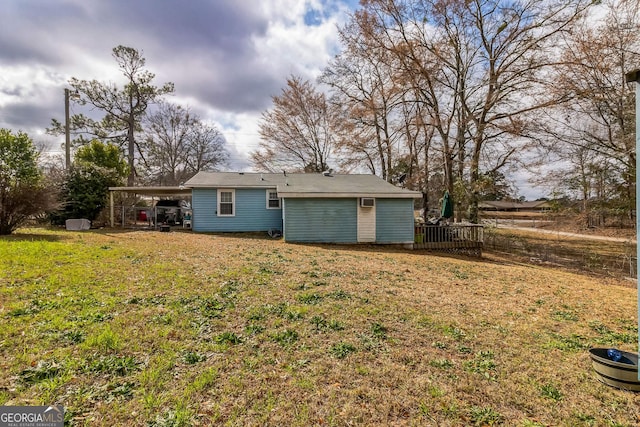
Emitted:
pixel 170 329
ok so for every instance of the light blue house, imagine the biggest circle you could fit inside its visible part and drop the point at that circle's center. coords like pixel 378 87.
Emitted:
pixel 305 207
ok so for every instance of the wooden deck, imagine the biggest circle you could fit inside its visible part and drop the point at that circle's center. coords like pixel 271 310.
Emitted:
pixel 466 238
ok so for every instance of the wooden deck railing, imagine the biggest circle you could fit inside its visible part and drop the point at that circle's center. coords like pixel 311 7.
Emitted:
pixel 454 237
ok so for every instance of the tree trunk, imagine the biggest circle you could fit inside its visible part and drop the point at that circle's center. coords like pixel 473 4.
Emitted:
pixel 474 172
pixel 425 188
pixel 131 152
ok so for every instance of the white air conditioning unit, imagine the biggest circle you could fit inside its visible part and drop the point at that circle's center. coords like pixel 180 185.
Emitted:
pixel 367 202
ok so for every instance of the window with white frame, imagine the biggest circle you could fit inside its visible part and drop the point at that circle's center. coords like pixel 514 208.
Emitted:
pixel 273 201
pixel 226 201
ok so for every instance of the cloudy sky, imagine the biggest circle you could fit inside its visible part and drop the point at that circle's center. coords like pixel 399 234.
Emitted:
pixel 227 58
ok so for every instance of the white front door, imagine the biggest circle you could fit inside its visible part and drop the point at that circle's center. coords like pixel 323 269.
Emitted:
pixel 366 224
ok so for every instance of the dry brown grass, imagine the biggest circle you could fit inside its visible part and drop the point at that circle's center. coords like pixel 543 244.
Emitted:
pixel 328 335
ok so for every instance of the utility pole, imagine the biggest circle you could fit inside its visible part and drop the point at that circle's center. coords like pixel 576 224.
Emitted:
pixel 67 136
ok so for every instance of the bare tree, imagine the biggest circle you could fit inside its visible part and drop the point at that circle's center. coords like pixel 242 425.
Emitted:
pixel 480 66
pixel 297 133
pixel 177 145
pixel 600 117
pixel 362 80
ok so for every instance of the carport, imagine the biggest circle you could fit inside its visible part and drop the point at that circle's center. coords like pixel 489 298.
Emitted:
pixel 152 192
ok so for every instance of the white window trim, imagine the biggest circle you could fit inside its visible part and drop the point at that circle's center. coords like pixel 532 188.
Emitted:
pixel 233 201
pixel 273 190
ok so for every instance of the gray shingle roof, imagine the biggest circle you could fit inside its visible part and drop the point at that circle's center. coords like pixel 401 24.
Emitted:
pixel 303 184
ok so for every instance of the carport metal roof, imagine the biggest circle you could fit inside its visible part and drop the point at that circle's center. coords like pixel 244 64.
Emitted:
pixel 154 191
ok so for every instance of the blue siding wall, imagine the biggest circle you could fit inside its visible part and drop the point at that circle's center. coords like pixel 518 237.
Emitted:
pixel 251 213
pixel 394 220
pixel 321 220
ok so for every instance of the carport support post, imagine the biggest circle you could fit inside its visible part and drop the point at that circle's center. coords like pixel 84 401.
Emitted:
pixel 634 76
pixel 111 207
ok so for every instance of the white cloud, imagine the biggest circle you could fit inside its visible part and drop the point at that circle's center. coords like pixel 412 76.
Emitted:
pixel 299 49
pixel 20 83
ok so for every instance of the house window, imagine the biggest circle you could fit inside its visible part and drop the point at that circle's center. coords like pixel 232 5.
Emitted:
pixel 226 200
pixel 273 202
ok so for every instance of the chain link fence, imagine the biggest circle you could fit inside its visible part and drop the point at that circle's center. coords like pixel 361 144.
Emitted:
pixel 613 259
